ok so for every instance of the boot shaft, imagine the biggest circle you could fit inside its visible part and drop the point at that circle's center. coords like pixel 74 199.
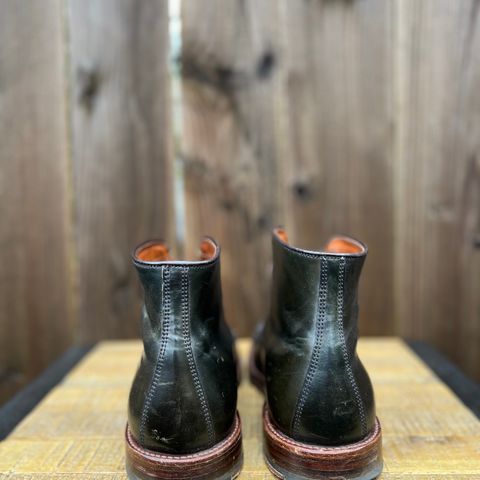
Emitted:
pixel 181 298
pixel 308 287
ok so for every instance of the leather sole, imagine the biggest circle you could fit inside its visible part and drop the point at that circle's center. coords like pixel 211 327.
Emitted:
pixel 289 459
pixel 221 462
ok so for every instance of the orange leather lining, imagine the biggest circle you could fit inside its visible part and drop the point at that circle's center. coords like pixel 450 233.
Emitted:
pixel 335 245
pixel 207 249
pixel 342 245
pixel 156 252
pixel 281 234
pixel 159 251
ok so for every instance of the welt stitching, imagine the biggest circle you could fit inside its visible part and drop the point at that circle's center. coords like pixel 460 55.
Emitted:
pixel 165 314
pixel 190 357
pixel 348 366
pixel 319 329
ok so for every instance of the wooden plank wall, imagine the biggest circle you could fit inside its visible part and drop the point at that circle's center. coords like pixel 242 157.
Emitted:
pixel 437 177
pixel 341 116
pixel 36 318
pixel 120 146
pixel 276 100
pixel 84 135
pixel 357 116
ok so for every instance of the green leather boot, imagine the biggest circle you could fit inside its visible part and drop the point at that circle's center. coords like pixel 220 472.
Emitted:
pixel 319 416
pixel 182 418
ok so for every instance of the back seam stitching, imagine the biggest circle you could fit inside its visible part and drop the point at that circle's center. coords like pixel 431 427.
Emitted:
pixel 319 330
pixel 348 366
pixel 186 331
pixel 166 301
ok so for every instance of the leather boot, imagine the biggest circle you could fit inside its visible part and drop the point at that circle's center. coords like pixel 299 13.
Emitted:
pixel 319 417
pixel 182 417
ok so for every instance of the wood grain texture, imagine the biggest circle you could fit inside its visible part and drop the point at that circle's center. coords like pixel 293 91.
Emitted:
pixel 337 137
pixel 437 175
pixel 36 321
pixel 121 151
pixel 78 429
pixel 228 148
pixel 288 121
pixel 355 117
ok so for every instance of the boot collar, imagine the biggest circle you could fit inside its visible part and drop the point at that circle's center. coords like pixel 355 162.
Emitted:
pixel 338 246
pixel 156 254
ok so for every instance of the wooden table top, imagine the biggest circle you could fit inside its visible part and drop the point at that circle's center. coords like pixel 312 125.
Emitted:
pixel 77 430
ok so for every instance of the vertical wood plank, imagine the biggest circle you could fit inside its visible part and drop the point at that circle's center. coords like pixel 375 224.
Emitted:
pixel 438 177
pixel 121 132
pixel 36 316
pixel 337 136
pixel 288 121
pixel 231 172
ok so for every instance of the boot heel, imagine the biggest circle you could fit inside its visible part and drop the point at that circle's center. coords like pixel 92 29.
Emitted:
pixel 221 462
pixel 292 460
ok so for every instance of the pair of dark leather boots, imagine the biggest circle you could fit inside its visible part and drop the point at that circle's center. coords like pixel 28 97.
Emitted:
pixel 319 415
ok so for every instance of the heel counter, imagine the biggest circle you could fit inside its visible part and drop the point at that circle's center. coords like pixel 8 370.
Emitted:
pixel 283 368
pixel 366 393
pixel 330 415
pixel 217 374
pixel 339 409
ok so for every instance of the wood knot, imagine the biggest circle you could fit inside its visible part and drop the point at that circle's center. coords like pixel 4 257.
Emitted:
pixel 476 240
pixel 89 84
pixel 302 189
pixel 264 222
pixel 265 65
